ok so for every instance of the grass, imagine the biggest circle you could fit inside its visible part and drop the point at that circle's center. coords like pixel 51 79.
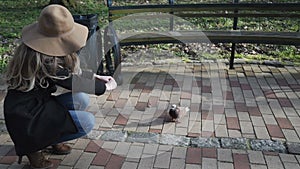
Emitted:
pixel 15 14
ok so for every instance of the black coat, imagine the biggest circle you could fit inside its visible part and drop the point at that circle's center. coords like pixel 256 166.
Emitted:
pixel 35 119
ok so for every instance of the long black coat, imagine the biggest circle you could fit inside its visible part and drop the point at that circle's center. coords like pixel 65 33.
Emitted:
pixel 35 119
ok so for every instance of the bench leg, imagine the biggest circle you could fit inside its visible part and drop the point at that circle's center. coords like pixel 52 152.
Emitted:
pixel 231 61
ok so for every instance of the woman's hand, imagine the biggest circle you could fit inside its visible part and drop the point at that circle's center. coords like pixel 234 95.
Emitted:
pixel 103 78
pixel 109 81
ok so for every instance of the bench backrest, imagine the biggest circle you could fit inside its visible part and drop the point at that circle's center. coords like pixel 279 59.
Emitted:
pixel 230 10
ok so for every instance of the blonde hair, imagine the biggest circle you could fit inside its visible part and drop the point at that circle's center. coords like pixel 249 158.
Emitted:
pixel 29 68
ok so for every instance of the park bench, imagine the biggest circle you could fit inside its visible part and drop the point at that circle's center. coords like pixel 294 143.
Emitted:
pixel 113 41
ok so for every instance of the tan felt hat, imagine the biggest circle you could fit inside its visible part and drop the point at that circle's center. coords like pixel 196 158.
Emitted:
pixel 55 33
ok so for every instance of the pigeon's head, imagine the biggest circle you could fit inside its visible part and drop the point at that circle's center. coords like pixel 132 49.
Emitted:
pixel 173 106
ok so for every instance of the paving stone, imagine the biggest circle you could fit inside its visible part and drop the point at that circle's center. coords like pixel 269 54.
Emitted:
pixel 288 158
pixel 256 157
pixel 234 143
pixel 209 163
pixel 181 130
pixel 8 159
pixel 80 144
pixel 268 145
pixel 109 145
pixel 224 155
pixel 84 161
pixel 224 165
pixel 177 163
pixel 221 131
pixel 257 166
pixel 120 103
pixel 243 116
pixel 101 157
pixel 234 133
pixel 241 161
pixel 108 122
pixel 121 120
pixel 290 135
pixel 3 128
pixel 273 162
pixel 174 140
pixel 122 148
pixel 233 123
pixel 150 149
pixel 129 165
pixel 275 131
pixel 194 156
pixel 179 152
pixel 115 161
pixel 143 137
pixel 192 166
pixel 254 111
pixel 4 138
pixel 147 162
pixel 4 166
pixel 261 133
pixel 269 119
pixel 257 121
pixel 114 136
pixel 134 153
pixel 72 159
pixel 205 142
pixel 93 146
pixel 295 121
pixel 293 148
pixel 5 149
pixel 246 127
pixel 163 160
pixel 209 152
pixel 291 165
pixel 162 148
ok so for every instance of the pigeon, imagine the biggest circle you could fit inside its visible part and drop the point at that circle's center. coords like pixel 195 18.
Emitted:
pixel 176 112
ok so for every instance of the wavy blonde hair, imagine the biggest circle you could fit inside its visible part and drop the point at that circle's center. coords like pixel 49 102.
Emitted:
pixel 29 68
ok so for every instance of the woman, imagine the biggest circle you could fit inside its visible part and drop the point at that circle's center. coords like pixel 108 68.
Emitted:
pixel 34 117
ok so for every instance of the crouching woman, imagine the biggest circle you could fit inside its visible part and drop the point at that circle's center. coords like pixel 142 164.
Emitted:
pixel 47 58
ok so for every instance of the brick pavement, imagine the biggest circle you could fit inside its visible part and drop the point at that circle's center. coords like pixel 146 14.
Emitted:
pixel 254 102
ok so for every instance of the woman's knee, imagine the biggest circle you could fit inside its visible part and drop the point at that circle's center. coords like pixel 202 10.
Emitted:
pixel 80 100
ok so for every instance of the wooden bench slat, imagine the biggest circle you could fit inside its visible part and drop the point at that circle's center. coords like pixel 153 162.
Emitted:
pixel 225 15
pixel 205 7
pixel 232 15
pixel 285 38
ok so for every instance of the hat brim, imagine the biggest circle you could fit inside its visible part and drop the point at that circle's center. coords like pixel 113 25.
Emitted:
pixel 55 46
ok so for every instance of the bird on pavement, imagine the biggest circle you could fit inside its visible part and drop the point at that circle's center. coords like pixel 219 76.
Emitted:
pixel 176 112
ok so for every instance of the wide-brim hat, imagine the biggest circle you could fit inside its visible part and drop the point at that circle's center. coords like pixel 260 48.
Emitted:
pixel 55 33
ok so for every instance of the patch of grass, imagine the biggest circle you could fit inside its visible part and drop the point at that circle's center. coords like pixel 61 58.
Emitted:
pixel 3 64
pixel 15 14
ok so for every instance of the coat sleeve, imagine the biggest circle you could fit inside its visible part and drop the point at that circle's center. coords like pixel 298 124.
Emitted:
pixel 83 83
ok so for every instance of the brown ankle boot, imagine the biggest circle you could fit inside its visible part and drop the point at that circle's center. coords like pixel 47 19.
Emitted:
pixel 38 161
pixel 61 149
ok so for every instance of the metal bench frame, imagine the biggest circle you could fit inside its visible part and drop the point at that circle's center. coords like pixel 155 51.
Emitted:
pixel 235 10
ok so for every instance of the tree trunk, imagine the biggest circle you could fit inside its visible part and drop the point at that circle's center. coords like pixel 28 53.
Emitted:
pixel 60 2
pixel 66 3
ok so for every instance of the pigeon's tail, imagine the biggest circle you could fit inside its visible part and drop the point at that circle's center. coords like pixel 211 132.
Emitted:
pixel 183 111
pixel 187 109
